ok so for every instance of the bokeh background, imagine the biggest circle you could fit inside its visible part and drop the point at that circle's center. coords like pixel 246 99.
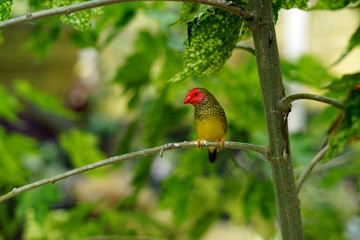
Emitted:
pixel 72 97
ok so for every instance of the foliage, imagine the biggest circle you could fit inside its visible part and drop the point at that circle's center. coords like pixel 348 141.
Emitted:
pixel 333 5
pixel 81 147
pixel 40 136
pixel 5 9
pixel 10 105
pixel 44 101
pixel 277 5
pixel 349 130
pixel 212 36
pixel 307 70
pixel 353 42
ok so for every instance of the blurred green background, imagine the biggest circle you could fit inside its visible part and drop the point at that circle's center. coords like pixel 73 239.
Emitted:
pixel 73 95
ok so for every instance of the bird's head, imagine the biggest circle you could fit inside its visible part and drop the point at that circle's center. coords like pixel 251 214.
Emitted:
pixel 194 96
pixel 357 87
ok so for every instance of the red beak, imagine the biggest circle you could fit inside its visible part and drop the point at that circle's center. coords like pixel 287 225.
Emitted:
pixel 187 99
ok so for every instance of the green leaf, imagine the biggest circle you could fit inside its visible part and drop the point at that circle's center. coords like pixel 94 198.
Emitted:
pixel 353 42
pixel 187 12
pixel 81 147
pixel 332 4
pixel 306 70
pixel 44 101
pixel 13 171
pixel 345 84
pixel 135 73
pixel 5 9
pixel 203 222
pixel 159 110
pixel 259 198
pixel 79 20
pixel 39 200
pixel 349 130
pixel 175 195
pixel 277 5
pixel 42 38
pixel 212 36
pixel 114 18
pixel 9 106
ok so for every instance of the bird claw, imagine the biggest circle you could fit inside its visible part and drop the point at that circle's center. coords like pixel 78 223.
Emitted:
pixel 221 144
pixel 200 143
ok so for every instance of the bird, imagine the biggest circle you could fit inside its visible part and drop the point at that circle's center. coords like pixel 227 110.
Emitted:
pixel 209 118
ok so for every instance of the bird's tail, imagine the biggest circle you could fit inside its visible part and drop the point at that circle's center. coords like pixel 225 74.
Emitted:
pixel 212 154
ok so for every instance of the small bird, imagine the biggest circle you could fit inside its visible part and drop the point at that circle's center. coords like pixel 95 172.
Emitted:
pixel 209 118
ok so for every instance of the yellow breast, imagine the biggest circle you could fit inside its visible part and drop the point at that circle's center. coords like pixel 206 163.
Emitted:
pixel 210 129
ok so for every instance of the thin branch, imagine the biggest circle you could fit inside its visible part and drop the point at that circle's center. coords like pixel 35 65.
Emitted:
pixel 226 5
pixel 310 167
pixel 246 48
pixel 129 156
pixel 284 104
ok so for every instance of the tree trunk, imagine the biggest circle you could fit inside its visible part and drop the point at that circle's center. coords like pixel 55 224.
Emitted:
pixel 268 64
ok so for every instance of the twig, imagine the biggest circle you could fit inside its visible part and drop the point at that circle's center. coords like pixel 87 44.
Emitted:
pixel 284 104
pixel 246 48
pixel 129 156
pixel 310 167
pixel 226 5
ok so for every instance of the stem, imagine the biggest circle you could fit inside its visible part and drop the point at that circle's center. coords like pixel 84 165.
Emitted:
pixel 129 156
pixel 310 167
pixel 285 103
pixel 228 6
pixel 246 48
pixel 272 87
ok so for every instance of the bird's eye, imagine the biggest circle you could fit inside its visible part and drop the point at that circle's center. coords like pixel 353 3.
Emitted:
pixel 196 94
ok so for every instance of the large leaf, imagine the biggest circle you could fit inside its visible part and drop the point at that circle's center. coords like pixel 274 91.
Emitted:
pixel 212 36
pixel 5 9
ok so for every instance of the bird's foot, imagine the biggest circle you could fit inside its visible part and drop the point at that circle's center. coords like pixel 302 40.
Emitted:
pixel 221 144
pixel 200 143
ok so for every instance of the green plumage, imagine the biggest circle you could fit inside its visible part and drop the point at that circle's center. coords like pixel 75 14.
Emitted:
pixel 210 121
pixel 209 108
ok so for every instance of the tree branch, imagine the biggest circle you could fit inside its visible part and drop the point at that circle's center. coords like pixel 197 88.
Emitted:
pixel 226 5
pixel 273 91
pixel 284 104
pixel 246 48
pixel 310 167
pixel 129 156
